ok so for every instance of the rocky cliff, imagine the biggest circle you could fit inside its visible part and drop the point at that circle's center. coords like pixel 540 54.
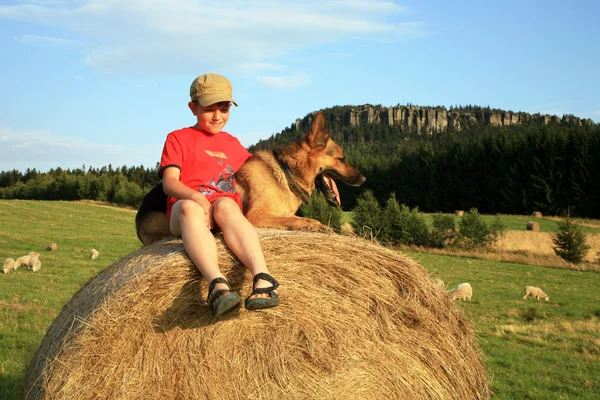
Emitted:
pixel 438 119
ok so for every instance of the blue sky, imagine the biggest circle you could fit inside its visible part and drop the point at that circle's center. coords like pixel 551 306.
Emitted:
pixel 104 81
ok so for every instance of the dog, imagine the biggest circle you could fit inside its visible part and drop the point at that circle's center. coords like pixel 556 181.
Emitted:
pixel 273 184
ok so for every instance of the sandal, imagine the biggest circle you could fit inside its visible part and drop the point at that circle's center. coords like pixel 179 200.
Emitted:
pixel 263 302
pixel 221 300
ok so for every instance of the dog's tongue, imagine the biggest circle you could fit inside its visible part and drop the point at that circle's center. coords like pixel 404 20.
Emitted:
pixel 333 186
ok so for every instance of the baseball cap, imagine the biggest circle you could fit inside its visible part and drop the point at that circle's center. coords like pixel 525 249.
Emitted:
pixel 209 89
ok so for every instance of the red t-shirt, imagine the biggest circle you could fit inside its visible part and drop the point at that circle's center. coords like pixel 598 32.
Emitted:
pixel 206 162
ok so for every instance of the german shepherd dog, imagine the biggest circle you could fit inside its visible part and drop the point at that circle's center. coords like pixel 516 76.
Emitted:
pixel 273 185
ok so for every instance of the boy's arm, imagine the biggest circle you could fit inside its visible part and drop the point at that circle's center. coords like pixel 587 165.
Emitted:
pixel 173 187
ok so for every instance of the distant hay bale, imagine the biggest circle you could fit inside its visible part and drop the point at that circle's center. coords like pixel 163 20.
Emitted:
pixel 94 254
pixel 346 228
pixel 52 247
pixel 460 213
pixel 536 214
pixel 533 226
pixel 356 321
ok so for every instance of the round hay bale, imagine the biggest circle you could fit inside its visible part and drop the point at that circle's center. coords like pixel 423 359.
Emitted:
pixel 52 247
pixel 536 214
pixel 533 226
pixel 460 213
pixel 346 228
pixel 356 321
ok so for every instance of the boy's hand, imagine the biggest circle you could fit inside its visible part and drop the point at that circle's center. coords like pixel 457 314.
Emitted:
pixel 208 210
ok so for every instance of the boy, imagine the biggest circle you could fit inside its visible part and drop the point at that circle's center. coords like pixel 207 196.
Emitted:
pixel 197 167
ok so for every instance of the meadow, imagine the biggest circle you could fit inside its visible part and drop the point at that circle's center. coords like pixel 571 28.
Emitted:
pixel 533 350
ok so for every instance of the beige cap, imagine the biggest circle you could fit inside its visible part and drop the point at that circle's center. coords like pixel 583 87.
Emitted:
pixel 209 89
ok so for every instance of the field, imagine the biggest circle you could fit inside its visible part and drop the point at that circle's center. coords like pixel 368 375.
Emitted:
pixel 533 350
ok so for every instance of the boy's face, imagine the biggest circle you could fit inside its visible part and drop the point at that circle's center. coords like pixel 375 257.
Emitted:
pixel 211 118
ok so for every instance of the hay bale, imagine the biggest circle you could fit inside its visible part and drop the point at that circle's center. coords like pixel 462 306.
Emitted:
pixel 460 213
pixel 94 254
pixel 356 321
pixel 346 228
pixel 52 247
pixel 533 226
pixel 536 214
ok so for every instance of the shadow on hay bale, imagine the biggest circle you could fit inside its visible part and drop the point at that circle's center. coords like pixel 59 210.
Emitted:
pixel 356 321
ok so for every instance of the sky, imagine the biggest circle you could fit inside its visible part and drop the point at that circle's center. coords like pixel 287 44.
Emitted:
pixel 98 82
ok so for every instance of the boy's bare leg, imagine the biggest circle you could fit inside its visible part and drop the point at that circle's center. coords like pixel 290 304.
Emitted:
pixel 241 238
pixel 188 220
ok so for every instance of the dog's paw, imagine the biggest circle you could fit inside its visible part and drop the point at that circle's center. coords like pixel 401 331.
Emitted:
pixel 313 225
pixel 326 229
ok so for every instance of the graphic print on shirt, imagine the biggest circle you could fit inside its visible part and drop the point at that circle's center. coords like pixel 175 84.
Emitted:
pixel 225 182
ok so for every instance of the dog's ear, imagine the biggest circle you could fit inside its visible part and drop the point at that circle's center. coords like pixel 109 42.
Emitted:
pixel 318 136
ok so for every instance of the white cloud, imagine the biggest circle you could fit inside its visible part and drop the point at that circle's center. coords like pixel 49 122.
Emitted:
pixel 47 41
pixel 258 66
pixel 42 150
pixel 152 37
pixel 284 82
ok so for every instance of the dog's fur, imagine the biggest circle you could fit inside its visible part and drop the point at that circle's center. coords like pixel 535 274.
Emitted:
pixel 273 185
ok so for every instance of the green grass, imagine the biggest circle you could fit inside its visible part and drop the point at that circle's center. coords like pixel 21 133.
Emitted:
pixel 533 350
pixel 30 301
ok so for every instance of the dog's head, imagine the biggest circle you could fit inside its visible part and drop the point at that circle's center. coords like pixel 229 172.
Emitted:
pixel 329 162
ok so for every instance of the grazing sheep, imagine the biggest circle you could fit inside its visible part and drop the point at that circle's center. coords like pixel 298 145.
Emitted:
pixel 462 291
pixel 35 264
pixel 22 261
pixel 94 253
pixel 532 291
pixel 8 265
pixel 52 247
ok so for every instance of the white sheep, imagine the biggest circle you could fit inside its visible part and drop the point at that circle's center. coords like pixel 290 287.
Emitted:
pixel 8 265
pixel 462 291
pixel 94 253
pixel 532 291
pixel 23 261
pixel 35 264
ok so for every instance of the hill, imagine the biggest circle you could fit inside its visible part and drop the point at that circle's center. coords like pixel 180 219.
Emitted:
pixel 466 157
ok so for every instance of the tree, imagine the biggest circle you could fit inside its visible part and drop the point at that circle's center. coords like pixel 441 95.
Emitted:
pixel 442 231
pixel 570 243
pixel 320 210
pixel 367 215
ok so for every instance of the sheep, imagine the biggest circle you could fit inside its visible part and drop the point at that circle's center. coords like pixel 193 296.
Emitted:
pixel 532 291
pixel 8 265
pixel 462 291
pixel 24 260
pixel 94 253
pixel 35 264
pixel 52 247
